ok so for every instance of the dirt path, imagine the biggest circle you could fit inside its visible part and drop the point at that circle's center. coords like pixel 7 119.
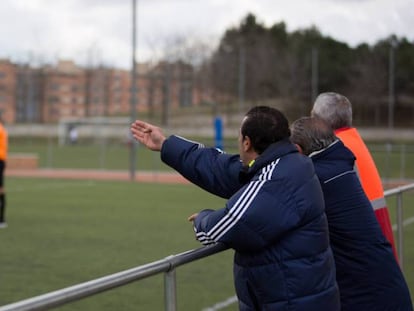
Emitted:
pixel 140 176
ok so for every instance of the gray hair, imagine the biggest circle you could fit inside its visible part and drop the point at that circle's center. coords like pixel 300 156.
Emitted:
pixel 311 134
pixel 334 108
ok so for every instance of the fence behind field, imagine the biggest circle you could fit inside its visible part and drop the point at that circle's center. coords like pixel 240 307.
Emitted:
pixel 166 266
pixel 108 147
pixel 394 160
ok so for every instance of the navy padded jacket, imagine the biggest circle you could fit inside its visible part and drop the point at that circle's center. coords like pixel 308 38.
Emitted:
pixel 208 168
pixel 368 276
pixel 275 222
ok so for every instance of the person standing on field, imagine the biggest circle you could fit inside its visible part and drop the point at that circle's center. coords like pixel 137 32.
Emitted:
pixel 336 110
pixel 3 158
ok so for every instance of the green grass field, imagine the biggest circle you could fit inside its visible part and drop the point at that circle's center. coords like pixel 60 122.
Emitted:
pixel 65 232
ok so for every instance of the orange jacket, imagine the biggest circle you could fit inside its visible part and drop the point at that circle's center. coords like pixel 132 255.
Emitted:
pixel 3 143
pixel 370 179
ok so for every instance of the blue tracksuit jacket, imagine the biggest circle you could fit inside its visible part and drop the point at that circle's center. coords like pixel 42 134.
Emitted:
pixel 275 222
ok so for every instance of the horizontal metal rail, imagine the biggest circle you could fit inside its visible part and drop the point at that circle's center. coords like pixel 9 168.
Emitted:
pixel 83 290
pixel 398 190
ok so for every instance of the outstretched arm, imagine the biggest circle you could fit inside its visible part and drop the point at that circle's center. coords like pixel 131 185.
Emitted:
pixel 208 168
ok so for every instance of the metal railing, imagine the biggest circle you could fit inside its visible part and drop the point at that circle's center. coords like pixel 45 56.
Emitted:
pixel 86 289
pixel 398 192
pixel 166 265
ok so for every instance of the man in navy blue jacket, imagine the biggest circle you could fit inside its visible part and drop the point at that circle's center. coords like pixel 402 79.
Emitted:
pixel 276 221
pixel 368 275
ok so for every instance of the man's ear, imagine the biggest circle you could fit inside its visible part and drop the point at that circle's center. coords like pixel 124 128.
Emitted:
pixel 299 148
pixel 247 144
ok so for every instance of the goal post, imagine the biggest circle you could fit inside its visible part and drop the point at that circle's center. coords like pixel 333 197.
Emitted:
pixel 95 129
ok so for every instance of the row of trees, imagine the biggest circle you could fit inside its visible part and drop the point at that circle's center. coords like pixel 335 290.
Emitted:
pixel 257 64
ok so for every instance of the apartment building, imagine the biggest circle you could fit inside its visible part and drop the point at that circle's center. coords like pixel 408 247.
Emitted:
pixel 120 87
pixel 8 82
pixel 29 94
pixel 66 90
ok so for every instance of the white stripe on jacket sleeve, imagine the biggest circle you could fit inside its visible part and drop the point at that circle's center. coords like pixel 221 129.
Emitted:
pixel 237 211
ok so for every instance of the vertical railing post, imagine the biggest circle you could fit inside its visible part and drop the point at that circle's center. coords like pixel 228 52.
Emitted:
pixel 400 227
pixel 402 160
pixel 170 290
pixel 388 169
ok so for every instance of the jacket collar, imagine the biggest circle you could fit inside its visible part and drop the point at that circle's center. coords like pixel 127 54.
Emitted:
pixel 322 150
pixel 273 152
pixel 335 151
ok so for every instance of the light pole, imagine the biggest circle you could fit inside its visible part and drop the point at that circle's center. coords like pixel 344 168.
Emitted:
pixel 242 76
pixel 391 99
pixel 315 73
pixel 133 101
pixel 391 83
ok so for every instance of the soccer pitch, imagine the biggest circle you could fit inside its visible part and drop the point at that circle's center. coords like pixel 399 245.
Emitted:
pixel 65 232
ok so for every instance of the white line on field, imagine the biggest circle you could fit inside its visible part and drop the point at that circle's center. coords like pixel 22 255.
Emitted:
pixel 406 222
pixel 220 305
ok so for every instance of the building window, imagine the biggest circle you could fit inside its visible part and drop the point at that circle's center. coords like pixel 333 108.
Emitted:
pixel 66 99
pixel 53 100
pixel 54 86
pixel 2 74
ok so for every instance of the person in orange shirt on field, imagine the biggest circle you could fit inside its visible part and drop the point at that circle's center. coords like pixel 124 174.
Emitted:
pixel 336 109
pixel 3 158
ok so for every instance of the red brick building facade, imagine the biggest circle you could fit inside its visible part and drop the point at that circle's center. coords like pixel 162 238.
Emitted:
pixel 65 90
pixel 8 83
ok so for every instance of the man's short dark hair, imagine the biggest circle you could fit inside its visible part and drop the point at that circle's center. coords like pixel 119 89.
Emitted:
pixel 264 126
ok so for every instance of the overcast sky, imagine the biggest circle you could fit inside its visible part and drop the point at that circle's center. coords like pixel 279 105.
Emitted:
pixel 91 31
